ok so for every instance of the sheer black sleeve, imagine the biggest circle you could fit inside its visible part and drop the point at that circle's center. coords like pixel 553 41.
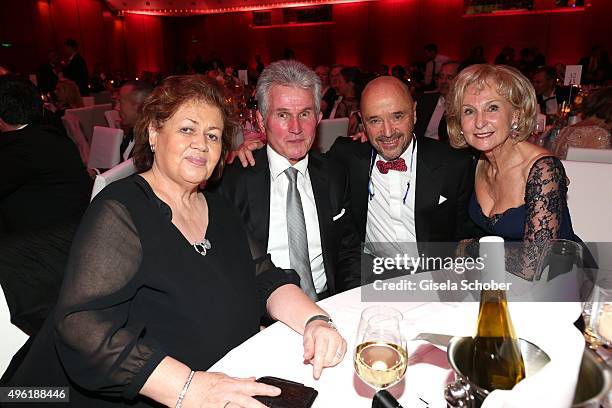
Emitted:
pixel 99 348
pixel 545 203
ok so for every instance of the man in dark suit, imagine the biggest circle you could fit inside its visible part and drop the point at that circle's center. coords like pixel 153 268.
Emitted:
pixel 129 104
pixel 404 191
pixel 430 107
pixel 44 190
pixel 76 67
pixel 295 202
pixel 550 97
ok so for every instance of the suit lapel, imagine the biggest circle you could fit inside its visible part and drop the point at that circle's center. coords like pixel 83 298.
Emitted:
pixel 258 188
pixel 427 189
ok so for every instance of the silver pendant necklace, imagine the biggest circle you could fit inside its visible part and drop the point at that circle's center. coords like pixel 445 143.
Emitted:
pixel 202 247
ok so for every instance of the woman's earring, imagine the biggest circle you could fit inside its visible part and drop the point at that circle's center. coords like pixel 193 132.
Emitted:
pixel 461 132
pixel 152 148
pixel 514 125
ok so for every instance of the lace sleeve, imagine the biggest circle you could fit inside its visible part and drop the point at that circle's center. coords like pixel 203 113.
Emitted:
pixel 99 348
pixel 545 202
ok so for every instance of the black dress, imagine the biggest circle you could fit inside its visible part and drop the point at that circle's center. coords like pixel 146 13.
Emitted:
pixel 136 291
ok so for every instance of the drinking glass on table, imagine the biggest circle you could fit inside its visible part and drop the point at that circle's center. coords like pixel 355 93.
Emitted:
pixel 380 356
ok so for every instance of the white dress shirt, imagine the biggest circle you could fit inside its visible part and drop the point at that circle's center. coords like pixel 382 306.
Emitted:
pixel 390 218
pixel 332 114
pixel 434 122
pixel 278 241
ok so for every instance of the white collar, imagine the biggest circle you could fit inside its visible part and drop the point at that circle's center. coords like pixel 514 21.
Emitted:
pixel 278 164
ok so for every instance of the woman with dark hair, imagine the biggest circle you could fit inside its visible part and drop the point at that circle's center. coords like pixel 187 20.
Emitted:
pixel 161 283
pixel 350 85
pixel 592 132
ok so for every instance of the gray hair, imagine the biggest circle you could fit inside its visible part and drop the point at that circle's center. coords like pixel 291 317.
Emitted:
pixel 288 73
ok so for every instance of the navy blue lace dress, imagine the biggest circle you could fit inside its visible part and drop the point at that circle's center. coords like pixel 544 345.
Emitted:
pixel 544 215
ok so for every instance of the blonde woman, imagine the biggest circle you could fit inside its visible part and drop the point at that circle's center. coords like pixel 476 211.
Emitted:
pixel 520 188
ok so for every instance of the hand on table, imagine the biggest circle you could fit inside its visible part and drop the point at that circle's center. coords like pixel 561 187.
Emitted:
pixel 323 346
pixel 245 152
pixel 217 390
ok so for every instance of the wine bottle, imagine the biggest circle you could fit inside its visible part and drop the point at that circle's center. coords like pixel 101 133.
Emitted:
pixel 496 361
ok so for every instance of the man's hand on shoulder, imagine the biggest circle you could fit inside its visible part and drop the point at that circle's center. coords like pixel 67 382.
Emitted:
pixel 245 152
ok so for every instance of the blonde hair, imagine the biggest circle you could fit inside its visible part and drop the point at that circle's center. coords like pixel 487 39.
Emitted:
pixel 70 90
pixel 508 82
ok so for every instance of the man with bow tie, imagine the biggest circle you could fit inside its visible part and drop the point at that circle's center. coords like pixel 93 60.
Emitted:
pixel 404 191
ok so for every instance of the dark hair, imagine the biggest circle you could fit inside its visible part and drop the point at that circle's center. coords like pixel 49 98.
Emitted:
pixel 431 48
pixel 550 72
pixel 599 104
pixel 140 89
pixel 20 101
pixel 72 43
pixel 354 76
pixel 172 93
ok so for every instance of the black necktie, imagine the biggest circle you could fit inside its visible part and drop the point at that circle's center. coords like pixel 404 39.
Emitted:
pixel 442 130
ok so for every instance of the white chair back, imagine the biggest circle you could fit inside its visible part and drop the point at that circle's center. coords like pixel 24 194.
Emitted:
pixel 12 337
pixel 328 131
pixel 105 145
pixel 91 116
pixel 88 101
pixel 584 154
pixel 589 198
pixel 113 119
pixel 118 172
pixel 73 128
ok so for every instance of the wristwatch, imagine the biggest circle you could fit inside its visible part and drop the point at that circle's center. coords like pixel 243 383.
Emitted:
pixel 324 318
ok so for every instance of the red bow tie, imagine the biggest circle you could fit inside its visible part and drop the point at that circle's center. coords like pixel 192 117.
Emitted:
pixel 397 165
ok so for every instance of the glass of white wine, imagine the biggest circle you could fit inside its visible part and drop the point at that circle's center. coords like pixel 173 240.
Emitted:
pixel 380 357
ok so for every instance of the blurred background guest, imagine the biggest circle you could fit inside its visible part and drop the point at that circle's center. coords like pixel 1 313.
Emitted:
pixel 132 95
pixel 520 189
pixel 67 96
pixel 47 73
pixel 350 85
pixel 595 66
pixel 134 324
pixel 476 57
pixel 594 130
pixel 75 67
pixel 433 64
pixel 44 190
pixel 328 94
pixel 550 97
pixel 431 107
pixel 506 56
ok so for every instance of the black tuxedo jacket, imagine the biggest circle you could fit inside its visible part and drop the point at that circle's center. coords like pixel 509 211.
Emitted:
pixel 76 70
pixel 441 171
pixel 426 105
pixel 562 94
pixel 249 190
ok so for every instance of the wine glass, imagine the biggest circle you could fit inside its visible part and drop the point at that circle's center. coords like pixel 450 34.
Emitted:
pixel 380 357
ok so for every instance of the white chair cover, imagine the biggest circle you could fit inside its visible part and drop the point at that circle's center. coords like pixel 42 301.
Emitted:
pixel 91 116
pixel 12 337
pixel 118 172
pixel 105 145
pixel 113 119
pixel 73 128
pixel 328 131
pixel 584 154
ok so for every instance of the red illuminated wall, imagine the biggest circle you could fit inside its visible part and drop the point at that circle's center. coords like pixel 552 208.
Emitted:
pixel 364 34
pixel 33 27
pixel 395 31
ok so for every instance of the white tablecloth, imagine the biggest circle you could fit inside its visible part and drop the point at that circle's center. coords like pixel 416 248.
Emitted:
pixel 277 351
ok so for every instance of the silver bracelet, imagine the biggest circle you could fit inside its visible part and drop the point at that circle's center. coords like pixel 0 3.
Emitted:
pixel 324 318
pixel 179 402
